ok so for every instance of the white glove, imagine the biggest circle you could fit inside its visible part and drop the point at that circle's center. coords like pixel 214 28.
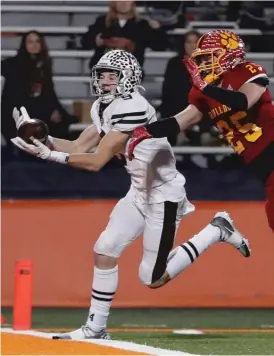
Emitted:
pixel 38 149
pixel 20 116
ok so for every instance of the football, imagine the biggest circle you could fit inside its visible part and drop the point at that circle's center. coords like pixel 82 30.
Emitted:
pixel 33 128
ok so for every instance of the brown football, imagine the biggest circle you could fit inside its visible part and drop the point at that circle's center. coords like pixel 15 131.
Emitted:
pixel 33 128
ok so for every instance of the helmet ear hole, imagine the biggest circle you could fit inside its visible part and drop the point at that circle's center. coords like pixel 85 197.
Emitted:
pixel 128 72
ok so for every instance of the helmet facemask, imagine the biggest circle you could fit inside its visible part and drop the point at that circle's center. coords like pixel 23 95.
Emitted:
pixel 211 68
pixel 117 87
pixel 217 52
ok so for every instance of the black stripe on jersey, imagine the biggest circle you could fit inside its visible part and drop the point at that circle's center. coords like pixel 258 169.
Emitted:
pixel 127 114
pixel 102 293
pixel 125 122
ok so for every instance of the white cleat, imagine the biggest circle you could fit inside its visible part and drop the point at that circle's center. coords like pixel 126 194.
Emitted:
pixel 230 234
pixel 83 333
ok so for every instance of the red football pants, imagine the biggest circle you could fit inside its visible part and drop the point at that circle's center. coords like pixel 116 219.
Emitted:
pixel 269 207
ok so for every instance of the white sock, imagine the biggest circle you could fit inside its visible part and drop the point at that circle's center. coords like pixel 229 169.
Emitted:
pixel 104 286
pixel 185 254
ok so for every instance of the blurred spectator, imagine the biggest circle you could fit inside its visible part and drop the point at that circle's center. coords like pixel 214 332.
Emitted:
pixel 28 82
pixel 175 91
pixel 177 83
pixel 168 13
pixel 122 28
pixel 209 13
pixel 252 15
pixel 233 10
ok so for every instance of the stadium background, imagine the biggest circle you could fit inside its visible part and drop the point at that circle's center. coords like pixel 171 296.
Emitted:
pixel 53 214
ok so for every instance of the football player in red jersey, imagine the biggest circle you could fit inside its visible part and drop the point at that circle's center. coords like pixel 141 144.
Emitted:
pixel 232 93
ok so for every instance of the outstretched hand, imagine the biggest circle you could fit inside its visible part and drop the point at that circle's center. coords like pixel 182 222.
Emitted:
pixel 194 73
pixel 38 149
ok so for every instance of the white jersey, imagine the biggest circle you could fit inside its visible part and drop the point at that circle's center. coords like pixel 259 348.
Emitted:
pixel 153 170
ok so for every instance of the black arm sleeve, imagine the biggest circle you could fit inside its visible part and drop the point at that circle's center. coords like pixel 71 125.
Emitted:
pixel 164 128
pixel 234 99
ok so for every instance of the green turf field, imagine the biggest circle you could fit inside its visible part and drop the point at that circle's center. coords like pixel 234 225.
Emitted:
pixel 258 341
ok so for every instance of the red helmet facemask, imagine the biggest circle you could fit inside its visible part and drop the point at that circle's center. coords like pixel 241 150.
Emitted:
pixel 217 52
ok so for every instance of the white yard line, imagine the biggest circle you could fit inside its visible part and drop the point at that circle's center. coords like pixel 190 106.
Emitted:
pixel 144 326
pixel 124 345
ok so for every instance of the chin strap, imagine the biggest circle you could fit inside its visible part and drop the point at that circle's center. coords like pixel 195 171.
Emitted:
pixel 107 99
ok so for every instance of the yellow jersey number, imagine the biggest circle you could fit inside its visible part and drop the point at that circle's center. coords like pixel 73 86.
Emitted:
pixel 250 131
pixel 251 68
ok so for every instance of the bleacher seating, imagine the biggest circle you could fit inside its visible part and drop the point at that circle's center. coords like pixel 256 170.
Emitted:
pixel 68 20
pixel 72 67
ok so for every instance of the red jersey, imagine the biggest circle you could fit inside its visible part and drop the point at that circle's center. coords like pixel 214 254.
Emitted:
pixel 248 132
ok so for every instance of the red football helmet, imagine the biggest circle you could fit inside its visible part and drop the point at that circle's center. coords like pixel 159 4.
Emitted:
pixel 217 52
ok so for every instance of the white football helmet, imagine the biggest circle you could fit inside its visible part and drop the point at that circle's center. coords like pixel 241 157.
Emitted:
pixel 129 74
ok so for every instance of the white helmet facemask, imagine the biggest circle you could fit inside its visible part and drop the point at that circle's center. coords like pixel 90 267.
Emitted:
pixel 128 70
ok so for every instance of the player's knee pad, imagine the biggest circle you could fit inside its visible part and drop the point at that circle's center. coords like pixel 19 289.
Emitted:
pixel 269 207
pixel 107 244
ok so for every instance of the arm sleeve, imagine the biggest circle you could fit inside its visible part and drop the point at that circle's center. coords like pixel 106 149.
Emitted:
pixel 231 98
pixel 169 127
pixel 246 73
pixel 164 128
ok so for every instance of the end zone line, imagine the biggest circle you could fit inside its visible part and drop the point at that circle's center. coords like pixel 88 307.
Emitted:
pixel 124 345
pixel 163 330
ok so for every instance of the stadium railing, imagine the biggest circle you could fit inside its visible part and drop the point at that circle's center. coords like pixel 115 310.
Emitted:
pixel 224 24
pixel 78 9
pixel 58 8
pixel 86 79
pixel 78 30
pixel 148 54
pixel 203 150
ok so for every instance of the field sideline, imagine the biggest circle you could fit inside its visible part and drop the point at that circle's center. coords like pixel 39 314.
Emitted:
pixel 224 331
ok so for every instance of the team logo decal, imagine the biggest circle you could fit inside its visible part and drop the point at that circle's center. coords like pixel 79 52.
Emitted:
pixel 229 40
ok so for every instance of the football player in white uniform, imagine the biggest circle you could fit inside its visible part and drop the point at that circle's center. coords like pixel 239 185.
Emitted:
pixel 156 201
